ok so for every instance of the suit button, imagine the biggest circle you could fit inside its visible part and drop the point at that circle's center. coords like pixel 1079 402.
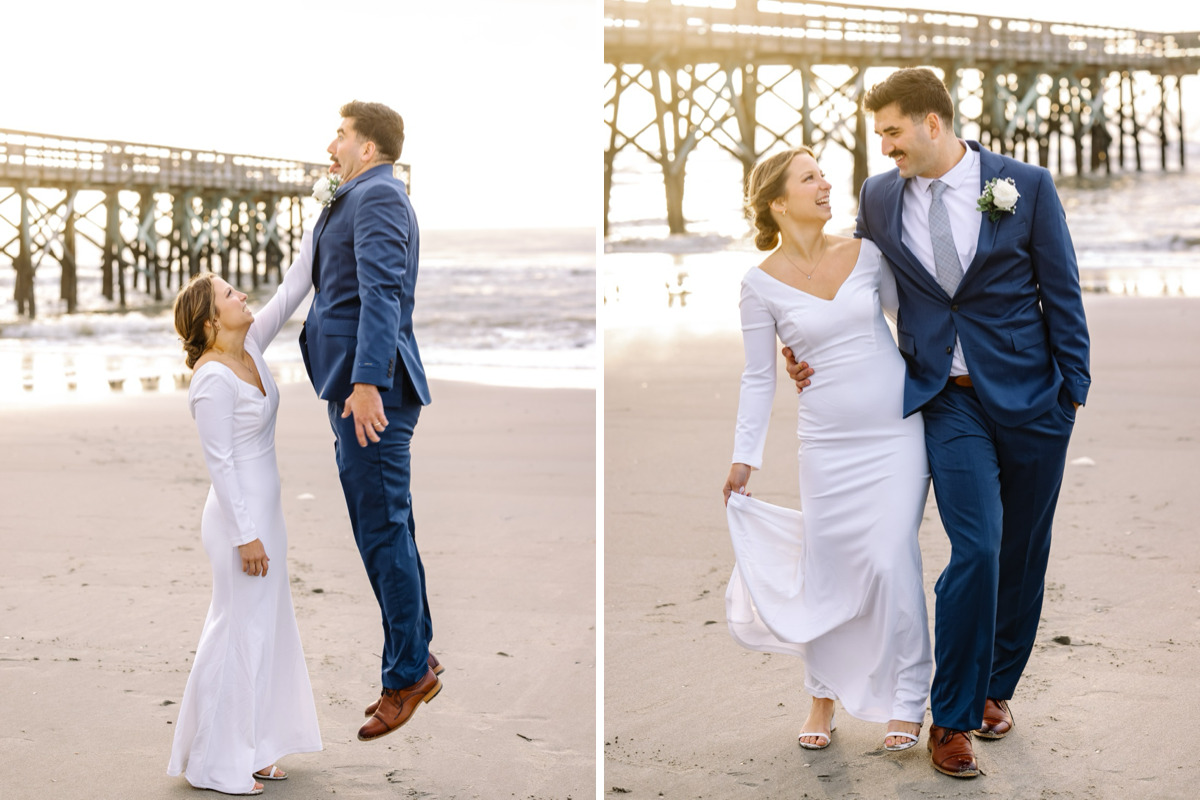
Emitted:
pixel 954 307
pixel 949 351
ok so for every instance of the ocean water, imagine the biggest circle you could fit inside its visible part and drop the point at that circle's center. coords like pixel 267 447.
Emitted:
pixel 1135 234
pixel 505 307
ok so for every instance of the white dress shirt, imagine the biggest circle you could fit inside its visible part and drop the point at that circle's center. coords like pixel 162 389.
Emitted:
pixel 961 199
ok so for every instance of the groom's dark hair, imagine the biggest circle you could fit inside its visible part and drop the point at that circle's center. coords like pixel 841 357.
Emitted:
pixel 377 123
pixel 916 91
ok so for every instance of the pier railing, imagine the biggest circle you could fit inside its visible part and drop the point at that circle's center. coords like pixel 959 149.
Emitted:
pixel 49 160
pixel 155 212
pixel 751 75
pixel 779 30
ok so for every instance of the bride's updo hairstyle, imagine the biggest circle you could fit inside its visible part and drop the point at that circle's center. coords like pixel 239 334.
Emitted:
pixel 195 305
pixel 766 184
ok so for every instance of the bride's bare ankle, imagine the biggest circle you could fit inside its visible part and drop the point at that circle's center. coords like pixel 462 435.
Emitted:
pixel 821 710
pixel 901 725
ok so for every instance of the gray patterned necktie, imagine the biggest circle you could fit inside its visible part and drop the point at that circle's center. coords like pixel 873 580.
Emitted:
pixel 945 254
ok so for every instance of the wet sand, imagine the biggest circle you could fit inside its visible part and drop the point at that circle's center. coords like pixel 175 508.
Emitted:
pixel 1107 705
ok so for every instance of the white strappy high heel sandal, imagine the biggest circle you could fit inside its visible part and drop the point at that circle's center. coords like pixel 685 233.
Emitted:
pixel 895 748
pixel 826 736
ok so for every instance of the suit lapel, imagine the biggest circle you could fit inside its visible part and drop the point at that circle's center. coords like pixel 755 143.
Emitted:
pixel 327 211
pixel 894 214
pixel 990 166
pixel 320 226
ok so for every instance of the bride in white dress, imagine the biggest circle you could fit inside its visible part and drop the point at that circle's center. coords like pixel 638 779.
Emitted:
pixel 840 583
pixel 248 701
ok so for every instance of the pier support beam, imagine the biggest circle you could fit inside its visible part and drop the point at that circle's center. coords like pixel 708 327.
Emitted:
pixel 1039 84
pixel 23 290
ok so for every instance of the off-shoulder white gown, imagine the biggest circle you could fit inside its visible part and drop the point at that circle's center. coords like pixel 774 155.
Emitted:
pixel 839 584
pixel 248 701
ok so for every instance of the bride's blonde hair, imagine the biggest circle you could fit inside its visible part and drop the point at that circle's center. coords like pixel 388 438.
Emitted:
pixel 766 184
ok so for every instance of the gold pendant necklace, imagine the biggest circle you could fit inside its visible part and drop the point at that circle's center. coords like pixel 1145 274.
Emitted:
pixel 808 275
pixel 250 368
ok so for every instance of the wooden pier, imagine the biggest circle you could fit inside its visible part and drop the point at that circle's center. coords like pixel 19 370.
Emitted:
pixel 764 74
pixel 156 214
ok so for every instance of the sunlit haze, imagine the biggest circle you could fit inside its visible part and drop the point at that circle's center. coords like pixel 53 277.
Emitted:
pixel 498 98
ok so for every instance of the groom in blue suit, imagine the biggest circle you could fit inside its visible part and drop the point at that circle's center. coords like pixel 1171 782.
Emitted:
pixel 992 329
pixel 362 358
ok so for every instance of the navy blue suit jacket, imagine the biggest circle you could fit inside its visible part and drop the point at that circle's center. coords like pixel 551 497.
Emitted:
pixel 359 327
pixel 1018 310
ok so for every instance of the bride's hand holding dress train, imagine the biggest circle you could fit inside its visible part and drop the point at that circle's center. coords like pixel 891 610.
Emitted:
pixel 739 478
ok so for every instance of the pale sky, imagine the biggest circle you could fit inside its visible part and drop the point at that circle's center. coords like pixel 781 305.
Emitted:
pixel 1161 16
pixel 499 97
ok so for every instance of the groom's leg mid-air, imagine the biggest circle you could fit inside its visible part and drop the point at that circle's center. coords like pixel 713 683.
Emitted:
pixel 375 480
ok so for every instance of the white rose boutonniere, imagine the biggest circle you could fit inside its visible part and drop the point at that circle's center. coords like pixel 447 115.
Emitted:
pixel 325 187
pixel 999 197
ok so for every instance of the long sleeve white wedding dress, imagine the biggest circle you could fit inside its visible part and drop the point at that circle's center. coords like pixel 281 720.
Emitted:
pixel 839 584
pixel 248 701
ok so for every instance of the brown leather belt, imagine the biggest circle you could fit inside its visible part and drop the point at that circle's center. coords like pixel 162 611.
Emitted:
pixel 960 380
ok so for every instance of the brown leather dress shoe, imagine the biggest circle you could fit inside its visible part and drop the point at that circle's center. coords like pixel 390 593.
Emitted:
pixel 396 706
pixel 997 720
pixel 951 752
pixel 434 665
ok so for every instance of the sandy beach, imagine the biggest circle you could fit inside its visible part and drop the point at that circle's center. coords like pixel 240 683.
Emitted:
pixel 1107 705
pixel 104 587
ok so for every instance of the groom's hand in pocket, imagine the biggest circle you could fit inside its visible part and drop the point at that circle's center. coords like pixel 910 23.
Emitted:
pixel 800 372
